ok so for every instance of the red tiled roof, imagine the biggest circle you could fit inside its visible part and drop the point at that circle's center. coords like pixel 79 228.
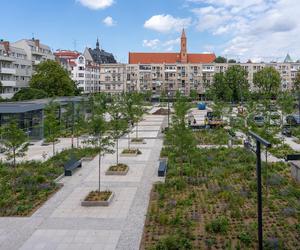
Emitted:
pixel 148 58
pixel 201 58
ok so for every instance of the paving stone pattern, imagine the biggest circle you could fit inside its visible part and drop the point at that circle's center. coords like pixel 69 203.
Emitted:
pixel 62 223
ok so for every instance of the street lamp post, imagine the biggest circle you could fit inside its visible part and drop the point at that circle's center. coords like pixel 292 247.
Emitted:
pixel 267 144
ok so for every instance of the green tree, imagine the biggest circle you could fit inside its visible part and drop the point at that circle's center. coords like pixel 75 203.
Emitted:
pixel 286 104
pixel 297 82
pixel 80 122
pixel 52 124
pixel 180 138
pixel 99 129
pixel 231 61
pixel 14 141
pixel 133 111
pixel 232 85
pixel 53 79
pixel 118 123
pixel 268 81
pixel 29 94
pixel 220 59
pixel 194 95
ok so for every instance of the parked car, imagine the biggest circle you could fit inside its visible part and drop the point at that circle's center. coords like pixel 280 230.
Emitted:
pixel 293 119
pixel 286 131
pixel 259 120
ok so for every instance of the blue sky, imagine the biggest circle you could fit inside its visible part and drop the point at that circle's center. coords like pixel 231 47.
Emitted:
pixel 257 29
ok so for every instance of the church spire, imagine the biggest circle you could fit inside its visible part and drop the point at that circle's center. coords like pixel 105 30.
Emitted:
pixel 97 44
pixel 183 49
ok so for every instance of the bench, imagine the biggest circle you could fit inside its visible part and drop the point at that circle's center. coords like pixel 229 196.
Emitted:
pixel 71 166
pixel 162 168
pixel 293 157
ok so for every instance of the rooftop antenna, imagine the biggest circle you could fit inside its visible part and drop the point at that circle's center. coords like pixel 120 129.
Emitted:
pixel 32 35
pixel 75 44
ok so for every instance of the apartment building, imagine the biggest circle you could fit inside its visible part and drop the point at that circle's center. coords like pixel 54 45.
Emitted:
pixel 84 72
pixel 15 69
pixel 112 78
pixel 36 51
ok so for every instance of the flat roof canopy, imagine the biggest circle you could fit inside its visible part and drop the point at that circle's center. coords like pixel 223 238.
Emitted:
pixel 32 105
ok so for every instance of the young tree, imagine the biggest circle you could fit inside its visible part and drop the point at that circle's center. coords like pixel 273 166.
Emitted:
pixel 99 128
pixel 80 122
pixel 286 104
pixel 14 141
pixel 180 137
pixel 194 95
pixel 52 123
pixel 268 81
pixel 133 111
pixel 53 79
pixel 118 123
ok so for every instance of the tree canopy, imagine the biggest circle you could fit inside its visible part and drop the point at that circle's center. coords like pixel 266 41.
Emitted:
pixel 220 59
pixel 230 86
pixel 14 141
pixel 267 80
pixel 29 94
pixel 53 79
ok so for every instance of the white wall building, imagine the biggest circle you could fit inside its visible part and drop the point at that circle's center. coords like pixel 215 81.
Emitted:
pixel 15 69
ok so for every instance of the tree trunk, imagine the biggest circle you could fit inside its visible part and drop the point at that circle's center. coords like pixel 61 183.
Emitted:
pixel 77 141
pixel 72 141
pixel 137 124
pixel 117 151
pixel 53 146
pixel 99 171
pixel 129 139
pixel 14 155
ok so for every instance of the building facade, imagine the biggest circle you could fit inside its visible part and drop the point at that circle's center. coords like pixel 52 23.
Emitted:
pixel 15 69
pixel 36 51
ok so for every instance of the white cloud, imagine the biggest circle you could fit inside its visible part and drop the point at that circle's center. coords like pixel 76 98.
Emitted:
pixel 166 23
pixel 151 43
pixel 172 42
pixel 161 45
pixel 253 28
pixel 109 21
pixel 96 4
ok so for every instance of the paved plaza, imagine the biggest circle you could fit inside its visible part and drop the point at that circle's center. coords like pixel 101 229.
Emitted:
pixel 62 223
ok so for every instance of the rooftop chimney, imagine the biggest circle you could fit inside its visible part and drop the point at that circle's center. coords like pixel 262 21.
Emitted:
pixel 37 42
pixel 5 44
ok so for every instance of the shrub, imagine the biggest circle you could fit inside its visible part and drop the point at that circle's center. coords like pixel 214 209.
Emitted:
pixel 174 242
pixel 218 225
pixel 245 238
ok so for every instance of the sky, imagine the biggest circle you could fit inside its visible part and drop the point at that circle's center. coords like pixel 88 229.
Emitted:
pixel 260 30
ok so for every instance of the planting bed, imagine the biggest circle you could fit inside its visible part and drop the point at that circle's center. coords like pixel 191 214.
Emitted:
pixel 25 188
pixel 211 204
pixel 218 136
pixel 98 198
pixel 131 152
pixel 137 141
pixel 120 169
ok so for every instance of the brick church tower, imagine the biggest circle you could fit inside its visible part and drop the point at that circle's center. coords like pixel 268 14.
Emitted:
pixel 183 50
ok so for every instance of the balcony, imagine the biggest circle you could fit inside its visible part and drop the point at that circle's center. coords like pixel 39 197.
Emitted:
pixel 8 71
pixel 8 83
